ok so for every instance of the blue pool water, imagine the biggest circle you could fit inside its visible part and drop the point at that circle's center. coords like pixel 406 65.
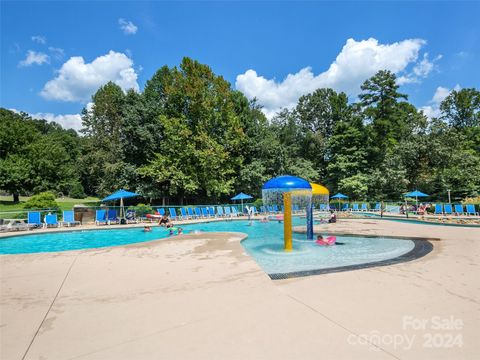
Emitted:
pixel 264 244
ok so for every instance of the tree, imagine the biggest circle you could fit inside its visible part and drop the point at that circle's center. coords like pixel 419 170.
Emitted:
pixel 461 109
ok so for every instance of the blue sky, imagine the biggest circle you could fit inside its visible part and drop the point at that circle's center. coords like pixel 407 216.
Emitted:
pixel 54 55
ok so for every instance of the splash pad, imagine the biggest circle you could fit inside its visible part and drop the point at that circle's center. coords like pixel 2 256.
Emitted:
pixel 288 190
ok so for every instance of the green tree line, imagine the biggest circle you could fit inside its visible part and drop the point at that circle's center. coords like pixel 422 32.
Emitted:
pixel 190 138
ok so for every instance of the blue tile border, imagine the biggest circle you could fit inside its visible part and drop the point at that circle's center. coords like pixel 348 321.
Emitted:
pixel 420 249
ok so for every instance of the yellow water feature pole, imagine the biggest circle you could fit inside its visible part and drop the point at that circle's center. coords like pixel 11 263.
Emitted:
pixel 287 221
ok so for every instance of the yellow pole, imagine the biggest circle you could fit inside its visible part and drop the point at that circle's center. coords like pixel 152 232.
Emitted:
pixel 287 220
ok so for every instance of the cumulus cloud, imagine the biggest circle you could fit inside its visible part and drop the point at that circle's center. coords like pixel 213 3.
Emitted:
pixel 68 121
pixel 77 80
pixel 357 61
pixel 433 109
pixel 127 27
pixel 39 39
pixel 33 57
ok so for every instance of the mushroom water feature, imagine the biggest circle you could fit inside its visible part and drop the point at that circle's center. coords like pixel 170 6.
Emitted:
pixel 288 190
pixel 320 195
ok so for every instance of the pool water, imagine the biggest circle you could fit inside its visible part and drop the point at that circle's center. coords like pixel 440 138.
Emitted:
pixel 264 244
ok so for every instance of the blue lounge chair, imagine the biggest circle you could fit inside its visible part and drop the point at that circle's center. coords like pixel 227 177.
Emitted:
pixel 69 218
pixel 220 211
pixel 275 208
pixel 438 209
pixel 184 213
pixel 198 213
pixel 263 210
pixel 51 220
pixel 161 211
pixel 211 211
pixel 234 211
pixel 355 207
pixel 471 210
pixel 323 207
pixel 364 207
pixel 205 212
pixel 190 213
pixel 270 209
pixel 378 207
pixel 459 209
pixel 173 213
pixel 34 219
pixel 448 209
pixel 333 208
pixel 345 207
pixel 227 211
pixel 101 217
pixel 112 216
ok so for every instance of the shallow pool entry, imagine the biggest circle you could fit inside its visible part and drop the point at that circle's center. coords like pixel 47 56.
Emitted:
pixel 264 244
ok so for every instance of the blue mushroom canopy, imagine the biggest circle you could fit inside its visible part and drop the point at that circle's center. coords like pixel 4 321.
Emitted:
pixel 287 183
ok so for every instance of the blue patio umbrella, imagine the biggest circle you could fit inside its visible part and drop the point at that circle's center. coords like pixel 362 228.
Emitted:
pixel 241 196
pixel 416 194
pixel 120 195
pixel 339 196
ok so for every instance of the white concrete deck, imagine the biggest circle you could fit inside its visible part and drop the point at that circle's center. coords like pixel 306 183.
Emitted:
pixel 202 297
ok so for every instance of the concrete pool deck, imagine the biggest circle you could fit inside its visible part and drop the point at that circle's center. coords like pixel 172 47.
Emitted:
pixel 201 297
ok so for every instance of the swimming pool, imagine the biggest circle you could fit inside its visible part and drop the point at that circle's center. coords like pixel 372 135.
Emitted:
pixel 264 243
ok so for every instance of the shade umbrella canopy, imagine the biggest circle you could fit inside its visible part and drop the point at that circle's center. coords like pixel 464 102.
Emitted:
pixel 241 196
pixel 287 183
pixel 120 195
pixel 416 193
pixel 339 196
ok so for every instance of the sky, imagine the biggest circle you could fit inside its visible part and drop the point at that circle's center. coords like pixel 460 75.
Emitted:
pixel 55 55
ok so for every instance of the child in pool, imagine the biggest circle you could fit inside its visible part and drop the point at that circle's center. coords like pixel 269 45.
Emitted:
pixel 147 228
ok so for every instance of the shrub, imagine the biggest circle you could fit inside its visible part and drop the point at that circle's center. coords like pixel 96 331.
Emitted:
pixel 472 200
pixel 257 203
pixel 77 191
pixel 44 200
pixel 142 209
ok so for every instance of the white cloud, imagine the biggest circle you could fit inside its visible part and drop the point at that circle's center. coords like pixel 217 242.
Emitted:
pixel 77 80
pixel 358 61
pixel 127 27
pixel 57 53
pixel 425 67
pixel 33 57
pixel 39 39
pixel 433 109
pixel 68 121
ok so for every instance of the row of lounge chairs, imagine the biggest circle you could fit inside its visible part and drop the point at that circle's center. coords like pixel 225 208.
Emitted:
pixel 34 220
pixel 200 212
pixel 458 209
pixel 361 207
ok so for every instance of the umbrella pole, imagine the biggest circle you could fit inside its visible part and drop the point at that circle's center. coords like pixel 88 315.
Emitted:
pixel 122 212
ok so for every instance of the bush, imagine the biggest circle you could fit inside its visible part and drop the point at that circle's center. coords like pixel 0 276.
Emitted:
pixel 257 203
pixel 142 209
pixel 44 200
pixel 77 191
pixel 472 200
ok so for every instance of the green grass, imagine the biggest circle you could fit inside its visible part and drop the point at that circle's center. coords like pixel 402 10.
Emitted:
pixel 7 204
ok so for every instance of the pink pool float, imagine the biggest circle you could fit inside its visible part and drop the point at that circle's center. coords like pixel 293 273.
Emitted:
pixel 330 240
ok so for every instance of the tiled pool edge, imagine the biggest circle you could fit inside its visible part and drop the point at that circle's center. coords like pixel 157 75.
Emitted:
pixel 420 249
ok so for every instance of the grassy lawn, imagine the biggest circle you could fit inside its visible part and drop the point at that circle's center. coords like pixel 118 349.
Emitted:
pixel 6 203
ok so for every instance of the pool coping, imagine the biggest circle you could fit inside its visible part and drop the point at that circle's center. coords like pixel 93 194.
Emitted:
pixel 421 248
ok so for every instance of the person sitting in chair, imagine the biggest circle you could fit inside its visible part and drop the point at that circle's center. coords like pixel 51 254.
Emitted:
pixel 333 217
